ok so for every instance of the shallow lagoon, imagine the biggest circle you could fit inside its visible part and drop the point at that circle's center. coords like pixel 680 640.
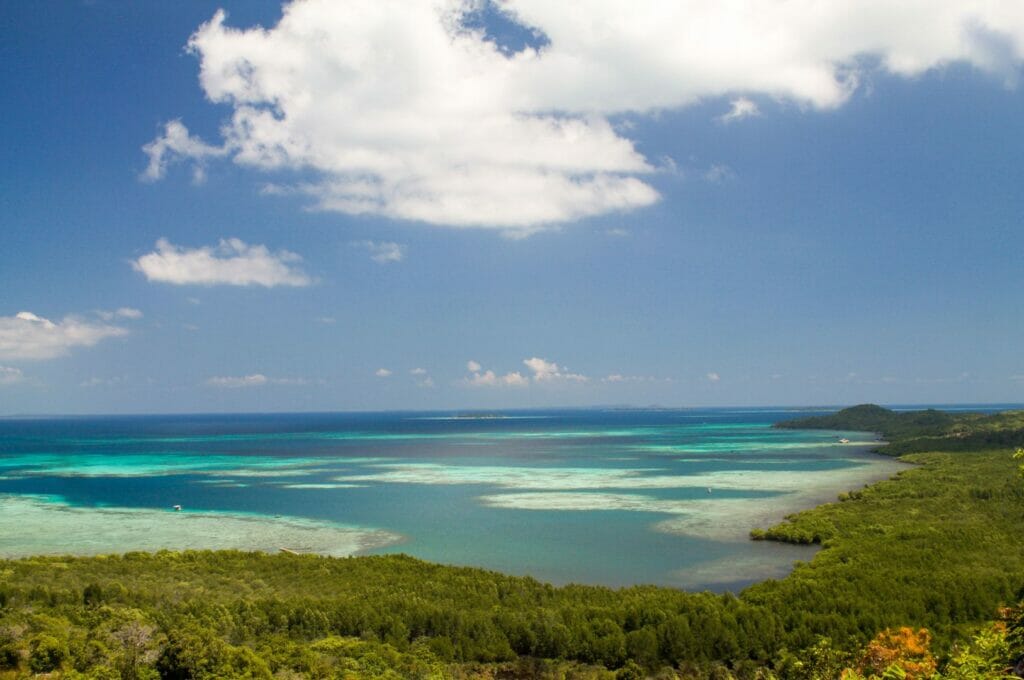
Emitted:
pixel 595 496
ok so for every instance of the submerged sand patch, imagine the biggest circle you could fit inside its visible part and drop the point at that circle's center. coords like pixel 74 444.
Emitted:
pixel 711 517
pixel 47 525
pixel 554 479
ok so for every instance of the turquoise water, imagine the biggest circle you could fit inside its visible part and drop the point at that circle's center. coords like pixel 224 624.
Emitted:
pixel 612 497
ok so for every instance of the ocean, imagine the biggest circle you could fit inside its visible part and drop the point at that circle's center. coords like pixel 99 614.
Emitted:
pixel 598 496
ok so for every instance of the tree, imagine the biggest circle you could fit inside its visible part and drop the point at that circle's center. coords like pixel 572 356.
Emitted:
pixel 902 649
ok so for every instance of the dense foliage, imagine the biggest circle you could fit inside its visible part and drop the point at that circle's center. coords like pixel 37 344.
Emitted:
pixel 921 431
pixel 940 547
pixel 872 418
pixel 937 546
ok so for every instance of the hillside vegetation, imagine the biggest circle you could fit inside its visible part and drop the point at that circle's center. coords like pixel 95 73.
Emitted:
pixel 911 574
pixel 918 431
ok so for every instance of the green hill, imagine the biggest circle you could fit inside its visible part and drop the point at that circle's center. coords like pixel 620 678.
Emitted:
pixel 926 430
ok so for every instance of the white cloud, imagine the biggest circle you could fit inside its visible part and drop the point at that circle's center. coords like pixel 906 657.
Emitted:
pixel 713 377
pixel 620 378
pixel 296 381
pixel 421 377
pixel 10 375
pixel 481 378
pixel 326 320
pixel 382 373
pixel 548 371
pixel 739 109
pixel 383 252
pixel 491 379
pixel 542 372
pixel 235 382
pixel 27 336
pixel 258 380
pixel 719 172
pixel 232 262
pixel 176 144
pixel 399 110
pixel 617 231
pixel 96 382
pixel 121 312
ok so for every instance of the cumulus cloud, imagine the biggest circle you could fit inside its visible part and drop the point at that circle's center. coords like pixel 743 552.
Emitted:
pixel 491 379
pixel 541 371
pixel 27 336
pixel 232 262
pixel 383 252
pixel 418 371
pixel 382 373
pixel 713 377
pixel 548 371
pixel 739 109
pixel 482 378
pixel 10 375
pixel 408 111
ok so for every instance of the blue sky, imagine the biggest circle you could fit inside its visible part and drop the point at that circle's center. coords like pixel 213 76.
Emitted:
pixel 422 221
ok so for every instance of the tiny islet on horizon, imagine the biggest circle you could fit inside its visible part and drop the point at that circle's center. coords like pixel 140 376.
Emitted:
pixel 542 496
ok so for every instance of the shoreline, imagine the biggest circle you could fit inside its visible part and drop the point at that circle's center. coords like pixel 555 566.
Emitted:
pixel 116 530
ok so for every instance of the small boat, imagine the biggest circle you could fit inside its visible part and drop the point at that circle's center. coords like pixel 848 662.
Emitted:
pixel 177 508
pixel 709 489
pixel 844 440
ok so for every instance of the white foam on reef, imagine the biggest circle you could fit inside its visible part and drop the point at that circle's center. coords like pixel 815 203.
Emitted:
pixel 721 519
pixel 46 525
pixel 569 479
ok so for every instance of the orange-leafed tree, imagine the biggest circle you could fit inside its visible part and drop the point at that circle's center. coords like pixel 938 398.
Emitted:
pixel 904 648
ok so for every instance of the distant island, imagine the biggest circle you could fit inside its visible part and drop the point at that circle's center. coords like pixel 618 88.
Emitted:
pixel 927 430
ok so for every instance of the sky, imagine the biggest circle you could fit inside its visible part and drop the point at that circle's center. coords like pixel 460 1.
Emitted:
pixel 373 204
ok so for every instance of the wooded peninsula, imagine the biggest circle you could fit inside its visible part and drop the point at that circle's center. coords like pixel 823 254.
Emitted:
pixel 918 576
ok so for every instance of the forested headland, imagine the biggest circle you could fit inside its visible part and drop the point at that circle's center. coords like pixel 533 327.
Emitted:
pixel 918 576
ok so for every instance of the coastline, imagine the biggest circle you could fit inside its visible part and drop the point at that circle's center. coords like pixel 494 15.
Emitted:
pixel 725 515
